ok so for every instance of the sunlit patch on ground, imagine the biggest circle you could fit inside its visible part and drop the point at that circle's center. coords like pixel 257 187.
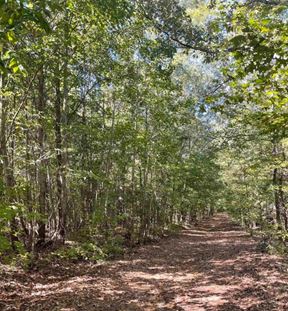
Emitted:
pixel 212 268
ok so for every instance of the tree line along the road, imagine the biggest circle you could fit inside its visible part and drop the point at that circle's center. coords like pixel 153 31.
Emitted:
pixel 120 119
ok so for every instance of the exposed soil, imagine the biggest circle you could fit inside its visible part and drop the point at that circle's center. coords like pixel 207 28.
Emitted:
pixel 213 267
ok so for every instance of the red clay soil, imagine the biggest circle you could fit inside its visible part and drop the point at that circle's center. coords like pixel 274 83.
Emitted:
pixel 214 267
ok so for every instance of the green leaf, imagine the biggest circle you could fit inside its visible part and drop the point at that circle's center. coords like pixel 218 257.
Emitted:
pixel 11 36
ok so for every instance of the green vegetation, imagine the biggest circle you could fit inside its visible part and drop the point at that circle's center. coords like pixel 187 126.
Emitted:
pixel 122 119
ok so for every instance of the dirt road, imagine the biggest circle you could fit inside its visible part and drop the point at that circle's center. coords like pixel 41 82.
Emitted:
pixel 213 267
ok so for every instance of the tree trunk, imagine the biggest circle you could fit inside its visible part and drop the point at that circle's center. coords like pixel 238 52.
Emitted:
pixel 59 161
pixel 42 173
pixel 276 197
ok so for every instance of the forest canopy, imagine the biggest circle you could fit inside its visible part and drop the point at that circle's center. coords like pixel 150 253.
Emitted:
pixel 120 119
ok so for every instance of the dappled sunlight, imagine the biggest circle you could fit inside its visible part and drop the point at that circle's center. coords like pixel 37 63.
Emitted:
pixel 197 270
pixel 70 285
pixel 175 277
pixel 200 302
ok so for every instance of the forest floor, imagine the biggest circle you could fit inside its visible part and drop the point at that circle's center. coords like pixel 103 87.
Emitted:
pixel 211 267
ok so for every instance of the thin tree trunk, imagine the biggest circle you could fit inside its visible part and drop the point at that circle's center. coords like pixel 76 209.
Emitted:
pixel 2 135
pixel 276 197
pixel 42 173
pixel 59 161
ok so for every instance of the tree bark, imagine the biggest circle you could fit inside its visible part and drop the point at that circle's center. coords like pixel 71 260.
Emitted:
pixel 276 197
pixel 59 161
pixel 42 173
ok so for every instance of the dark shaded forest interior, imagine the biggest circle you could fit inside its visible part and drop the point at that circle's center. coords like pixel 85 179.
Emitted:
pixel 143 155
